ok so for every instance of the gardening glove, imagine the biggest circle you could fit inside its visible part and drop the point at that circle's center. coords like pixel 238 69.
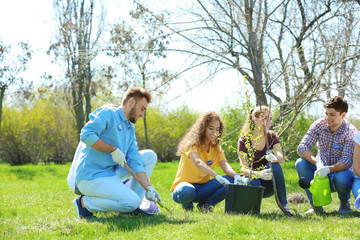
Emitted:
pixel 118 157
pixel 239 180
pixel 319 164
pixel 265 174
pixel 323 171
pixel 271 157
pixel 222 180
pixel 152 195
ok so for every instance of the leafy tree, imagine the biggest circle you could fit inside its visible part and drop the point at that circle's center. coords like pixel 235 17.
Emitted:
pixel 42 132
pixel 138 48
pixel 76 45
pixel 165 130
pixel 291 138
pixel 13 61
pixel 234 117
pixel 282 47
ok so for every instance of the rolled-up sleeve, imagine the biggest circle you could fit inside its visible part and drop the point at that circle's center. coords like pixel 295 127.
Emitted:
pixel 348 149
pixel 309 140
pixel 347 153
pixel 94 127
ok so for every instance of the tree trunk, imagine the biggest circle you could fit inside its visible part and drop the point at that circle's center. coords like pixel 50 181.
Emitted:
pixel 2 94
pixel 87 92
pixel 145 125
pixel 146 133
pixel 78 106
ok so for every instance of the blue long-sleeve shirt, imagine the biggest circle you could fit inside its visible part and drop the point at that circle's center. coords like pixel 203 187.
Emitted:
pixel 110 125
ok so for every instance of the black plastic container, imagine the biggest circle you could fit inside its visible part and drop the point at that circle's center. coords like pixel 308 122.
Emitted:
pixel 243 199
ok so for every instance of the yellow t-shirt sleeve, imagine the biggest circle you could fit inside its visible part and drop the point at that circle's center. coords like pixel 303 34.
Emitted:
pixel 188 172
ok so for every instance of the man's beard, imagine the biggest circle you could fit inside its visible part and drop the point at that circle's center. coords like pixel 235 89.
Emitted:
pixel 132 115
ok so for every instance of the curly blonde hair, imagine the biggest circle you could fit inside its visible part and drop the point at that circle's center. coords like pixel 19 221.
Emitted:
pixel 196 134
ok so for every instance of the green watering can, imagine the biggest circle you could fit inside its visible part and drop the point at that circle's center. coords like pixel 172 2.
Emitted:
pixel 320 190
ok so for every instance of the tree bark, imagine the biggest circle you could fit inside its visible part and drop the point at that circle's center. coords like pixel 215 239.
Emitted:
pixel 2 94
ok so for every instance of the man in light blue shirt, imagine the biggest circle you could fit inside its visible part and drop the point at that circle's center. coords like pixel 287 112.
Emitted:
pixel 107 143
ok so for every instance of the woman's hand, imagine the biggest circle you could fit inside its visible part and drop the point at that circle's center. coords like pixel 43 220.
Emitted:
pixel 265 174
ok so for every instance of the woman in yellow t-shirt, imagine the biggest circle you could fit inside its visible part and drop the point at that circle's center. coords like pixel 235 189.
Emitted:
pixel 200 151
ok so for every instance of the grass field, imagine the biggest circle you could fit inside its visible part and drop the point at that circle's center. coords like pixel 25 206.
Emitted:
pixel 35 203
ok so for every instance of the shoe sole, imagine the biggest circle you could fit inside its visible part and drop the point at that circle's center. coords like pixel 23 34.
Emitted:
pixel 344 212
pixel 77 208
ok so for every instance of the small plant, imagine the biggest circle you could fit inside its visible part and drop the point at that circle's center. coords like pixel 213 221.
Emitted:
pixel 251 141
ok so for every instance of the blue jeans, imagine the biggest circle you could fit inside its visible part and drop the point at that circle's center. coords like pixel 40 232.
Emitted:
pixel 211 192
pixel 340 182
pixel 268 185
pixel 356 186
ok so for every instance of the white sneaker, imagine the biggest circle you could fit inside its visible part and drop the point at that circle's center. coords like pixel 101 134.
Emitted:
pixel 314 209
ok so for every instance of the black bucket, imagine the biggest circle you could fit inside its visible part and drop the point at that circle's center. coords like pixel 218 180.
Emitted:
pixel 243 199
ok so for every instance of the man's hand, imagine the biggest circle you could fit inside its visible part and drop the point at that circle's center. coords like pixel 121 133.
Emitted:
pixel 265 174
pixel 239 180
pixel 152 195
pixel 271 157
pixel 323 171
pixel 118 157
pixel 222 180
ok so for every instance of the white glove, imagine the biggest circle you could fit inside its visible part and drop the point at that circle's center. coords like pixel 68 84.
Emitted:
pixel 319 164
pixel 152 195
pixel 322 171
pixel 222 180
pixel 118 157
pixel 265 174
pixel 271 157
pixel 239 180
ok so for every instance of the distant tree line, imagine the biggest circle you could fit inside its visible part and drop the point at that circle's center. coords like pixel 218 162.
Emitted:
pixel 45 131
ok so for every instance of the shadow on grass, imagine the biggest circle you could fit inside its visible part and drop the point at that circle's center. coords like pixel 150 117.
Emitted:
pixel 22 173
pixel 129 223
pixel 29 172
pixel 302 216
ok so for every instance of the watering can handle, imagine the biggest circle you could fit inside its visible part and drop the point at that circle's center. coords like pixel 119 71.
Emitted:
pixel 316 177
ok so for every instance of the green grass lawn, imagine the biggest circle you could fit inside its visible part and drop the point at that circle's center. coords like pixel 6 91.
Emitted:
pixel 35 203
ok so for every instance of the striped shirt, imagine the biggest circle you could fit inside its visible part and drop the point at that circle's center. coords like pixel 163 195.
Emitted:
pixel 332 147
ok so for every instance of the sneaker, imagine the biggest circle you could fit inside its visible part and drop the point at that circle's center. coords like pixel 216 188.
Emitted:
pixel 189 207
pixel 314 209
pixel 81 211
pixel 344 207
pixel 287 209
pixel 140 212
pixel 205 207
pixel 357 202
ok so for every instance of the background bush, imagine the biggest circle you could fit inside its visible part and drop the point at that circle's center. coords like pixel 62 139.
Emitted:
pixel 165 129
pixel 45 131
pixel 234 118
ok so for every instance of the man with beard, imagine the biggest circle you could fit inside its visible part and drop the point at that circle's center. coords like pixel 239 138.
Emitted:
pixel 333 135
pixel 107 143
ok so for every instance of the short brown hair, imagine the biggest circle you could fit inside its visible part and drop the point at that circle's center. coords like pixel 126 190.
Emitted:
pixel 137 93
pixel 338 103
